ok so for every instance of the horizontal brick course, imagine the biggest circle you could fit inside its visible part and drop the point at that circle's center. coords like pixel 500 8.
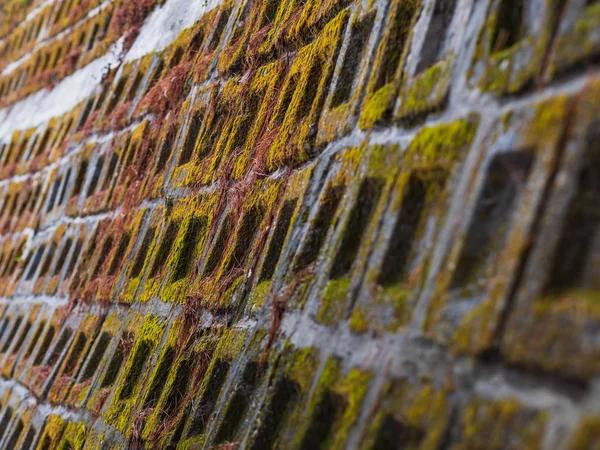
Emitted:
pixel 340 224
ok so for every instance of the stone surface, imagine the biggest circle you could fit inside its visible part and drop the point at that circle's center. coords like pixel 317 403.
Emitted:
pixel 286 224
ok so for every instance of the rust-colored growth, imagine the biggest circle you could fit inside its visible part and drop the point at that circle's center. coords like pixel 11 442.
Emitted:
pixel 168 93
pixel 128 18
pixel 299 224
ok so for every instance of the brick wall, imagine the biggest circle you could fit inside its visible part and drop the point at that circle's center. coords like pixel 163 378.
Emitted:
pixel 335 224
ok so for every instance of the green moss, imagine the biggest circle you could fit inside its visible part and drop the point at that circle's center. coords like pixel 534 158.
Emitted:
pixel 358 321
pixel 398 296
pixel 302 96
pixel 135 372
pixel 53 429
pixel 442 143
pixel 578 43
pixel 354 388
pixel 510 70
pixel 548 121
pixel 540 129
pixel 198 359
pixel 495 425
pixel 94 441
pixel 302 365
pixel 74 436
pixel 131 284
pixel 333 305
pixel 382 157
pixel 428 90
pixel 422 410
pixel 260 294
pixel 375 106
pixel 329 375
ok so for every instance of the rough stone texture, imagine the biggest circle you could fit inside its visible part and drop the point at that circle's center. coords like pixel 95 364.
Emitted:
pixel 322 224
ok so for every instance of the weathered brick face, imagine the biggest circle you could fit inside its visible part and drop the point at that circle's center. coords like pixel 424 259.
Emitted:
pixel 289 224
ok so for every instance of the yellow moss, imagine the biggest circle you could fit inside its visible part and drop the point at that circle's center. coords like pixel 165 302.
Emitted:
pixel 202 349
pixel 375 106
pixel 542 328
pixel 52 431
pixel 587 434
pixel 129 290
pixel 291 146
pixel 333 305
pixel 469 336
pixel 227 272
pixel 260 294
pixel 329 375
pixel 382 157
pixel 264 88
pixel 147 339
pixel 110 326
pixel 397 295
pixel 354 388
pixel 391 52
pixel 230 344
pixel 428 90
pixel 94 441
pixel 510 70
pixel 58 66
pixel 496 424
pixel 74 436
pixel 442 143
pixel 87 328
pixel 577 44
pixel 541 131
pixel 358 321
pixel 232 57
pixel 420 408
pixel 549 119
pixel 197 224
pixel 302 365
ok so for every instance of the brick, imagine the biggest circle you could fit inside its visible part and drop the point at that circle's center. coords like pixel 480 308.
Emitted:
pixel 299 225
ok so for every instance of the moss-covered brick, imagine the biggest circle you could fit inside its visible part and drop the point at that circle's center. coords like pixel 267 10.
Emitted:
pixel 135 372
pixel 501 424
pixel 485 274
